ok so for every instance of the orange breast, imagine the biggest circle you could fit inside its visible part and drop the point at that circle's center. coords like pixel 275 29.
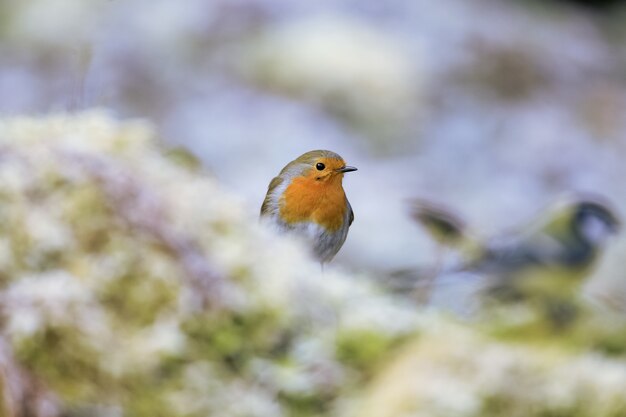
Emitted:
pixel 307 200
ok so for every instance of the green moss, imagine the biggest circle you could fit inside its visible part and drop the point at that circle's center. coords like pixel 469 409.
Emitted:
pixel 137 299
pixel 363 349
pixel 613 344
pixel 65 361
pixel 499 405
pixel 89 214
pixel 302 405
pixel 235 339
pixel 146 396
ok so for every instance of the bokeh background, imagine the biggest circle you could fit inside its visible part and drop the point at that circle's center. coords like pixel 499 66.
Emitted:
pixel 490 107
pixel 133 282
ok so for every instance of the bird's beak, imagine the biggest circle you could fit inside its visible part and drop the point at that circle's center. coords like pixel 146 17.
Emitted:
pixel 346 169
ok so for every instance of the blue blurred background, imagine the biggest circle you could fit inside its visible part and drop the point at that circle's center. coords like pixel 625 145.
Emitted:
pixel 490 107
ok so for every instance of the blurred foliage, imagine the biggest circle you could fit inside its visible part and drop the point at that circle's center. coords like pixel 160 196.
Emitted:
pixel 131 280
pixel 133 284
pixel 457 370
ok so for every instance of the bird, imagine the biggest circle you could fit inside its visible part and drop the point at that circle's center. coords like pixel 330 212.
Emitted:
pixel 307 198
pixel 547 258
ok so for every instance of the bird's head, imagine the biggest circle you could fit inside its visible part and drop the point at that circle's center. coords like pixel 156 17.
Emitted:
pixel 587 218
pixel 319 166
pixel 594 221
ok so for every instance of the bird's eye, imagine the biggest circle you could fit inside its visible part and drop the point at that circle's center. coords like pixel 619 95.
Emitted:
pixel 320 166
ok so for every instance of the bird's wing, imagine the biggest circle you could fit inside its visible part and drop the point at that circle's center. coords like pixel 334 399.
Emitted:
pixel 351 214
pixel 266 206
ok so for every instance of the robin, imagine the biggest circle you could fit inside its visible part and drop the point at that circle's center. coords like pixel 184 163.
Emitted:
pixel 307 198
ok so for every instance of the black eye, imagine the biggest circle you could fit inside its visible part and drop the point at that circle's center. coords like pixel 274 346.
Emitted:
pixel 320 166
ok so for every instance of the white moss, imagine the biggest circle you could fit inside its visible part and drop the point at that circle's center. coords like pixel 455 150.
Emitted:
pixel 457 372
pixel 131 270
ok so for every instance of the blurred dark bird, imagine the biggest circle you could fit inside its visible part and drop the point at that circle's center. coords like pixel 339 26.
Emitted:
pixel 549 257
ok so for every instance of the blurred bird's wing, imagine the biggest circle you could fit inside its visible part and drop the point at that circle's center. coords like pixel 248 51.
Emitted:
pixel 445 227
